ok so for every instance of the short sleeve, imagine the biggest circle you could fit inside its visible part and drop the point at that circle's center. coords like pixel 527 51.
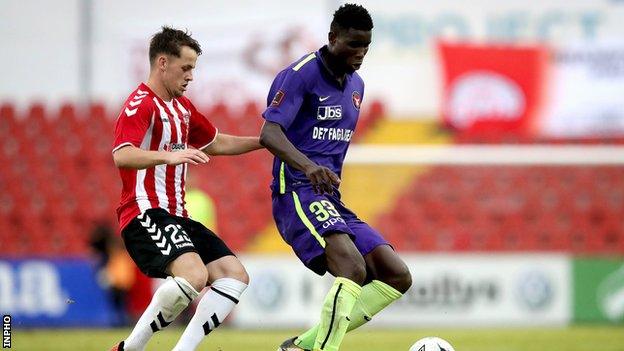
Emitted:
pixel 201 132
pixel 132 124
pixel 286 97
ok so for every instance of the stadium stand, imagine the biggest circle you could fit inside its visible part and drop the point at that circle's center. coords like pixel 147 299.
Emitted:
pixel 59 180
pixel 577 209
pixel 58 177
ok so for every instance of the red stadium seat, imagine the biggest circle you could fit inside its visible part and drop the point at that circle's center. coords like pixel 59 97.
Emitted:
pixel 52 181
pixel 9 124
pixel 572 208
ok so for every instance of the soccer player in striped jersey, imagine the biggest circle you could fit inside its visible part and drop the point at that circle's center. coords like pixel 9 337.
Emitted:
pixel 158 134
pixel 313 108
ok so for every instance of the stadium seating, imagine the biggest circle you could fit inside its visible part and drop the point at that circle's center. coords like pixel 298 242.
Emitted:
pixel 58 179
pixel 578 209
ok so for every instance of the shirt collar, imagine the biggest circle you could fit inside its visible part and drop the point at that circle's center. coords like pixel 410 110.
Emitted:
pixel 327 71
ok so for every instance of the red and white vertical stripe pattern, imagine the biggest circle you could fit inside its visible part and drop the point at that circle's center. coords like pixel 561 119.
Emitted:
pixel 166 182
pixel 149 123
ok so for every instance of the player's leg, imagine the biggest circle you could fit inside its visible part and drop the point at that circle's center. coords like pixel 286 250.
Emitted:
pixel 388 278
pixel 384 264
pixel 348 266
pixel 169 300
pixel 313 227
pixel 162 249
pixel 228 279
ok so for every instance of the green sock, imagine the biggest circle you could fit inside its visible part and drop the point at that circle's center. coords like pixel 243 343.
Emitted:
pixel 375 296
pixel 334 316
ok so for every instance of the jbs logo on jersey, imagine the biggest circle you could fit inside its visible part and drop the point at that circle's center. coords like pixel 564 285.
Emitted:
pixel 173 147
pixel 329 113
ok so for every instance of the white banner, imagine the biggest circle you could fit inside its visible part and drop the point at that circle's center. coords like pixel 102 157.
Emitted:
pixel 246 42
pixel 587 86
pixel 448 290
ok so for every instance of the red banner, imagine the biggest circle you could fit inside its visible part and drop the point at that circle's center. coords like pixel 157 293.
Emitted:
pixel 492 88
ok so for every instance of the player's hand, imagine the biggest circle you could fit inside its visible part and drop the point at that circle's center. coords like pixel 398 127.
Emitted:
pixel 322 178
pixel 192 156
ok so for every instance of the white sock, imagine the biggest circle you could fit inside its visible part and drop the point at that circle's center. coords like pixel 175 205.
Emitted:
pixel 211 311
pixel 168 301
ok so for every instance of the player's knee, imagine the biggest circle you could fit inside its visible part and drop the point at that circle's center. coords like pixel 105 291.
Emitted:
pixel 401 279
pixel 359 273
pixel 239 273
pixel 197 277
pixel 354 268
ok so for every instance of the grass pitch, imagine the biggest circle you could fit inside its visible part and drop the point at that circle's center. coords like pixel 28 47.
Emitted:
pixel 588 338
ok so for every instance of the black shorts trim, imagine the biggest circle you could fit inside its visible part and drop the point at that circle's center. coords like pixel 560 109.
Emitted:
pixel 155 238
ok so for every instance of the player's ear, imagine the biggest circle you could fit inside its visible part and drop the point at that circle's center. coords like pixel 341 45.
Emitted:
pixel 161 62
pixel 331 37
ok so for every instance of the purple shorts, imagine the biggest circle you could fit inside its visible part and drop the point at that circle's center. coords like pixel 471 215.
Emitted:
pixel 303 218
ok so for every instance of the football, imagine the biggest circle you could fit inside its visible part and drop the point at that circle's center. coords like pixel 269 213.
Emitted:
pixel 431 343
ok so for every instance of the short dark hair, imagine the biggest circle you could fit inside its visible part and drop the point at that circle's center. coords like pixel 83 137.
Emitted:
pixel 169 41
pixel 351 16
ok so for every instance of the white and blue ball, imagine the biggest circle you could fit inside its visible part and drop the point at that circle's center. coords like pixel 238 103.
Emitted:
pixel 431 343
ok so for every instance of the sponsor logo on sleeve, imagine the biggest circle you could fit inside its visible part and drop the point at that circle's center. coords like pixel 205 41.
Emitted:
pixel 278 98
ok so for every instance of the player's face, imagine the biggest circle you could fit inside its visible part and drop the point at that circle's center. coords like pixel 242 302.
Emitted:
pixel 178 72
pixel 350 46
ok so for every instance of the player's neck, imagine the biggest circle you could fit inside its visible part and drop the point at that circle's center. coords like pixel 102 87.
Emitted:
pixel 158 89
pixel 331 62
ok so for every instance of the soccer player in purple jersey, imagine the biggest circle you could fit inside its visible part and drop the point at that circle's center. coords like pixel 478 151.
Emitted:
pixel 313 107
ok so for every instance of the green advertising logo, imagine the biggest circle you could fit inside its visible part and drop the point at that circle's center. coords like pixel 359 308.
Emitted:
pixel 599 290
pixel 611 295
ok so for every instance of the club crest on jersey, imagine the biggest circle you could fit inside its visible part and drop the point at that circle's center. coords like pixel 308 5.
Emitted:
pixel 357 99
pixel 326 113
pixel 278 98
pixel 186 117
pixel 173 147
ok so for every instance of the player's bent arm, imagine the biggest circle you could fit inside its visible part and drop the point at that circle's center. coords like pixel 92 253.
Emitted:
pixel 132 157
pixel 226 144
pixel 273 138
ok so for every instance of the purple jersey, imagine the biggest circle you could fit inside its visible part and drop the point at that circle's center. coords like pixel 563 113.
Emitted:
pixel 317 114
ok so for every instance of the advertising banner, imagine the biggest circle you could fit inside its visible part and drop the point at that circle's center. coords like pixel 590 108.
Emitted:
pixel 281 293
pixel 599 290
pixel 492 88
pixel 586 91
pixel 53 293
pixel 448 290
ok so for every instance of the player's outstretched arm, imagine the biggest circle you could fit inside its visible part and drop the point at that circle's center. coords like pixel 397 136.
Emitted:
pixel 226 144
pixel 132 157
pixel 273 138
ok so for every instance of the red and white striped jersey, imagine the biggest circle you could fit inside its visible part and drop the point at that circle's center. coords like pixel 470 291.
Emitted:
pixel 149 123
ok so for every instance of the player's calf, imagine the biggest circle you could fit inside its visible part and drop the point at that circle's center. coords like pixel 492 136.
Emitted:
pixel 213 308
pixel 168 301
